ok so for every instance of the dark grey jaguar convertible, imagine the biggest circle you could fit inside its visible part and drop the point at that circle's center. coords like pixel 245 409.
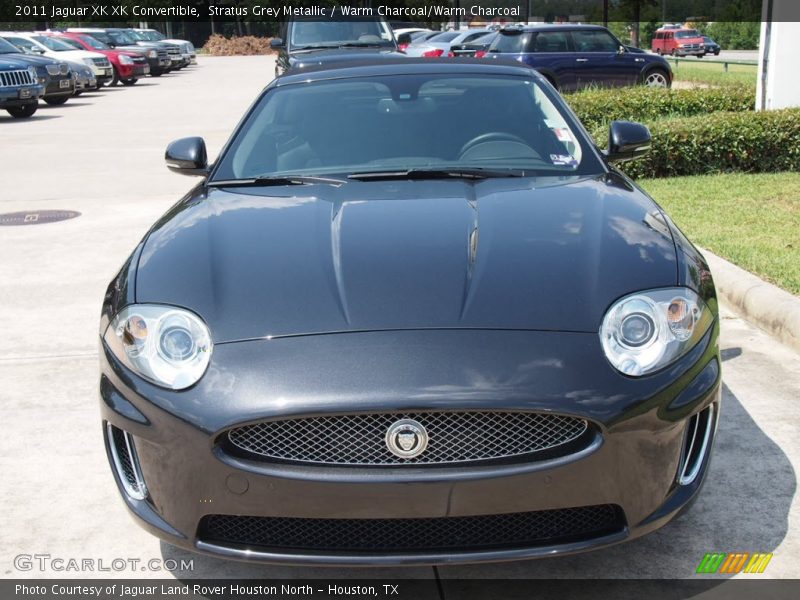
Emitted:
pixel 410 315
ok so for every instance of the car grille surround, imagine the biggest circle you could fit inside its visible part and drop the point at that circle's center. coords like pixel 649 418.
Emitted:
pixel 16 78
pixel 462 533
pixel 454 438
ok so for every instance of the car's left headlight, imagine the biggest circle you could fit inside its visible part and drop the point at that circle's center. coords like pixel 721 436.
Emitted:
pixel 166 345
pixel 646 331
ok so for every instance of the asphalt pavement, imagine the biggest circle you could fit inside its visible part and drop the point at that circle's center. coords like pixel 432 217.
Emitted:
pixel 102 155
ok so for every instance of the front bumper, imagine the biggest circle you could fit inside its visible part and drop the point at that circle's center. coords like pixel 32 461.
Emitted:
pixel 632 462
pixel 59 85
pixel 11 97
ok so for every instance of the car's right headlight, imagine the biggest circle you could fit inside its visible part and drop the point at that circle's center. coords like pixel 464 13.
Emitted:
pixel 166 345
pixel 152 54
pixel 124 59
pixel 646 331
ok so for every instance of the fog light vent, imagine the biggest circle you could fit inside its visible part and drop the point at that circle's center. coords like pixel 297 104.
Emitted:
pixel 696 444
pixel 126 462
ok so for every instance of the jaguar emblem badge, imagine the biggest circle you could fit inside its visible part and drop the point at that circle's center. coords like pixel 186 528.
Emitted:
pixel 406 438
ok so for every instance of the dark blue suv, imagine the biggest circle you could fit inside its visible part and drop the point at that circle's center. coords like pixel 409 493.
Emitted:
pixel 572 57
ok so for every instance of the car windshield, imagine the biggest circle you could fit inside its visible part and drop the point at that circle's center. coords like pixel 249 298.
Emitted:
pixel 512 43
pixel 331 34
pixel 8 48
pixel 407 123
pixel 52 43
pixel 445 36
pixel 688 33
pixel 23 44
pixel 93 42
pixel 121 38
pixel 150 36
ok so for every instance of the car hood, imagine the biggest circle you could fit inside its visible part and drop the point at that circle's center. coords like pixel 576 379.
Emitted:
pixel 299 60
pixel 34 59
pixel 8 62
pixel 498 254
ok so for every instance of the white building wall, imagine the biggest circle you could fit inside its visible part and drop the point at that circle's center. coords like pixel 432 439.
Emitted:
pixel 779 61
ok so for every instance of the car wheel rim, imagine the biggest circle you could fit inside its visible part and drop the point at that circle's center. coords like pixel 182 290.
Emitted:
pixel 656 80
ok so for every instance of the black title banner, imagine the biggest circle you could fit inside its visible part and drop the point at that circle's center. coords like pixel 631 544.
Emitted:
pixel 422 11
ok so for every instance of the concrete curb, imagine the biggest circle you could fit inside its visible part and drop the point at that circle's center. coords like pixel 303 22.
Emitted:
pixel 763 304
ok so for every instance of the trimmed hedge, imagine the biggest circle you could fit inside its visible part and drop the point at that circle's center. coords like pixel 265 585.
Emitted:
pixel 218 45
pixel 756 142
pixel 596 107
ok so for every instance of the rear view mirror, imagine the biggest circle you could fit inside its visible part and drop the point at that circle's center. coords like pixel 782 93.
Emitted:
pixel 276 43
pixel 627 141
pixel 187 156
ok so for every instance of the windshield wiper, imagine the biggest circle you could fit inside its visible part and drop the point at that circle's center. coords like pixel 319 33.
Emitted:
pixel 276 180
pixel 476 173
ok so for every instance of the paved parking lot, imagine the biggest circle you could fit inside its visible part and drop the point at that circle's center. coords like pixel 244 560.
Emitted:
pixel 102 155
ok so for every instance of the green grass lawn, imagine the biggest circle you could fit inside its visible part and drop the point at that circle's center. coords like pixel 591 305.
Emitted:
pixel 751 220
pixel 711 73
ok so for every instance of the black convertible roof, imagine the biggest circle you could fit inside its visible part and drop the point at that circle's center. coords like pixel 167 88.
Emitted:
pixel 404 66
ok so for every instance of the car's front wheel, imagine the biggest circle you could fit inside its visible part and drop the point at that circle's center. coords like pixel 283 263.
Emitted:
pixel 23 112
pixel 656 78
pixel 58 101
pixel 130 81
pixel 114 78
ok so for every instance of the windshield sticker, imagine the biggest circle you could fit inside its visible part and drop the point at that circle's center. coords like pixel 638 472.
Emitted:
pixel 566 160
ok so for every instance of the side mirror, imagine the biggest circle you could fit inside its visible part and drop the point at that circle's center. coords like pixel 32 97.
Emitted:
pixel 622 49
pixel 276 43
pixel 187 156
pixel 627 141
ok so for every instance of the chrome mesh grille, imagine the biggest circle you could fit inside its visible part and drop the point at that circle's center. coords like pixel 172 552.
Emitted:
pixel 482 532
pixel 454 437
pixel 15 78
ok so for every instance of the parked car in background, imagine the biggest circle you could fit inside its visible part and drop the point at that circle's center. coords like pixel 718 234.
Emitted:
pixel 19 86
pixel 476 47
pixel 176 56
pixel 56 76
pixel 679 42
pixel 37 43
pixel 187 48
pixel 439 45
pixel 572 57
pixel 305 42
pixel 127 66
pixel 404 37
pixel 712 47
pixel 157 59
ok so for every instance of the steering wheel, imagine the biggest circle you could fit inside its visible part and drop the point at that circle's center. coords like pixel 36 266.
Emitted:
pixel 492 136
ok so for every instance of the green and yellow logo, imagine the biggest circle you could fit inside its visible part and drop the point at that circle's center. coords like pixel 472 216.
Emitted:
pixel 732 563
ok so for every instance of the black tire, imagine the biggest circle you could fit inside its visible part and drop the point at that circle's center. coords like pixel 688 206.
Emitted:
pixel 129 82
pixel 701 55
pixel 114 78
pixel 716 53
pixel 156 73
pixel 57 101
pixel 23 112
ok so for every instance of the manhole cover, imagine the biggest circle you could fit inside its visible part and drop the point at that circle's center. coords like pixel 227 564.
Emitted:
pixel 35 217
